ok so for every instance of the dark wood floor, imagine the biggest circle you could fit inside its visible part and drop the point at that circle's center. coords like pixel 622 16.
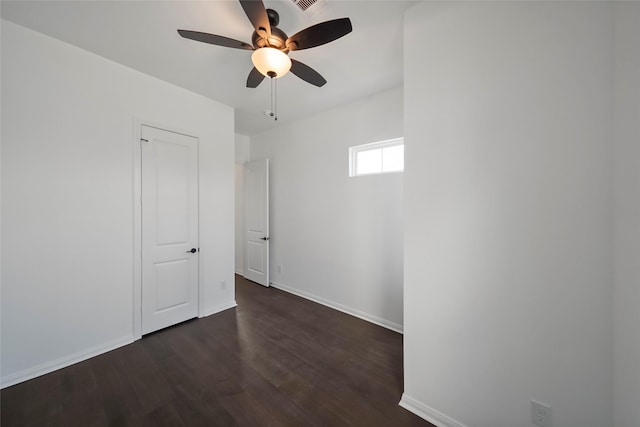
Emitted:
pixel 275 360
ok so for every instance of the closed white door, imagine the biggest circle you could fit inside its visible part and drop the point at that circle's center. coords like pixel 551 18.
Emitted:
pixel 256 221
pixel 169 228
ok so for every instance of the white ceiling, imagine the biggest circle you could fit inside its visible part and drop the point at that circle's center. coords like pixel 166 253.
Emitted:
pixel 142 35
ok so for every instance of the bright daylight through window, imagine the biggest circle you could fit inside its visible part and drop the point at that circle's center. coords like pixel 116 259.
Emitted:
pixel 377 157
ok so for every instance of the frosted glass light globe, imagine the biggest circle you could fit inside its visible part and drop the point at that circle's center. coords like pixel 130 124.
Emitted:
pixel 271 62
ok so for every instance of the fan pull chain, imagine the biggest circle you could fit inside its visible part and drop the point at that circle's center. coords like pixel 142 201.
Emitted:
pixel 274 99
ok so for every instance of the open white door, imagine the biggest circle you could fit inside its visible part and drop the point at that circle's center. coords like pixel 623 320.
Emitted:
pixel 169 228
pixel 256 221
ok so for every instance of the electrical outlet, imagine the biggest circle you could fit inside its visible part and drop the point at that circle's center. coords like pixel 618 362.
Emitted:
pixel 540 414
pixel 279 269
pixel 223 284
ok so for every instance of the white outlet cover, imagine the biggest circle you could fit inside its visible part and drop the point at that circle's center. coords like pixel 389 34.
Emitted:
pixel 540 414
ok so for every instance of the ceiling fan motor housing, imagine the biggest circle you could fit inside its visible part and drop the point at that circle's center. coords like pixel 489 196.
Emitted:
pixel 276 40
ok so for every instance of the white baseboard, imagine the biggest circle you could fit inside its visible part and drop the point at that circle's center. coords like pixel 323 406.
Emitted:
pixel 343 308
pixel 63 362
pixel 426 412
pixel 218 308
pixel 240 272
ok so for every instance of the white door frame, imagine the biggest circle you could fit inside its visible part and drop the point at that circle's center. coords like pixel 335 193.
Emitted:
pixel 137 221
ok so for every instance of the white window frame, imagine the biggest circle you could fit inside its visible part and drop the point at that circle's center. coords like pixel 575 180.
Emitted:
pixel 353 155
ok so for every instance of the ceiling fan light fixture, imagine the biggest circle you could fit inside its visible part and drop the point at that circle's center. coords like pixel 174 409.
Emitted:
pixel 271 62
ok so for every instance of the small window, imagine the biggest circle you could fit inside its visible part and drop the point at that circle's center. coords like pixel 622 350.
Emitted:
pixel 377 157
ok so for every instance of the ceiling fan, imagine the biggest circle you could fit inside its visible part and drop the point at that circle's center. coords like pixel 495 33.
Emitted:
pixel 271 46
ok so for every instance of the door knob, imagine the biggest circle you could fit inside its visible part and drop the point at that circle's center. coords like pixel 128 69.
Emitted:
pixel 264 238
pixel 193 250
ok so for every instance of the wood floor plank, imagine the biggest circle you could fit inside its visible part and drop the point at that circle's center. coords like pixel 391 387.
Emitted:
pixel 117 394
pixel 35 403
pixel 275 360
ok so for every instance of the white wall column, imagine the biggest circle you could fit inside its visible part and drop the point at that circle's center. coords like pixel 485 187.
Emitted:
pixel 508 253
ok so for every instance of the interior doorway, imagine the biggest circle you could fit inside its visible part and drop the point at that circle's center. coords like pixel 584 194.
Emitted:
pixel 256 221
pixel 167 229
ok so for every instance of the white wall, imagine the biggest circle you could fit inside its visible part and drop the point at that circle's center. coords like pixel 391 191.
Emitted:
pixel 627 215
pixel 241 156
pixel 508 236
pixel 67 198
pixel 337 239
